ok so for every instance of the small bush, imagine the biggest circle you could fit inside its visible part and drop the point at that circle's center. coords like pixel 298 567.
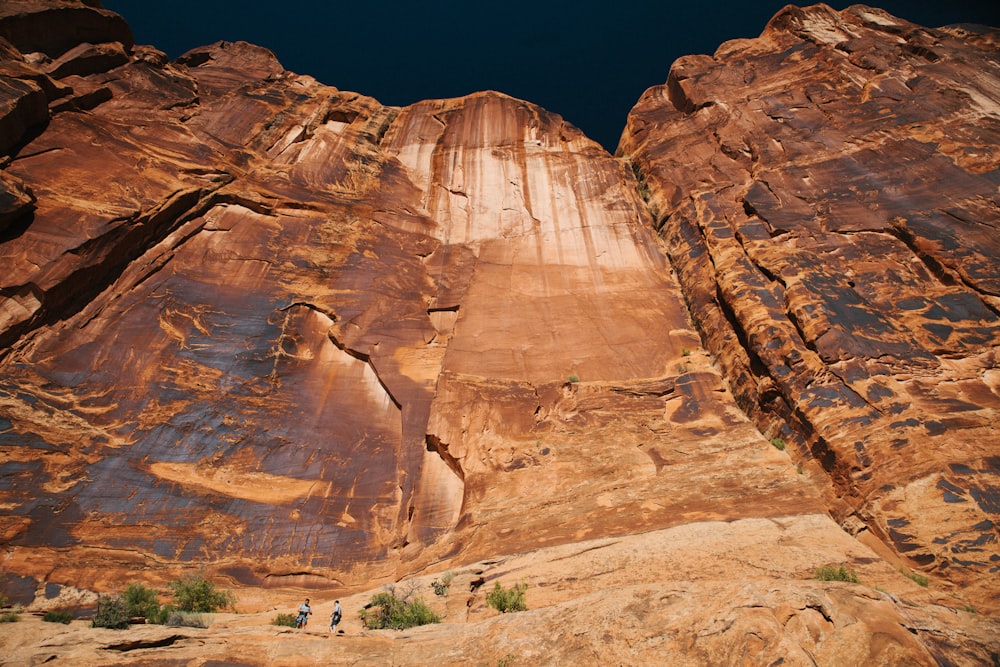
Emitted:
pixel 196 593
pixel 286 620
pixel 386 611
pixel 63 617
pixel 111 613
pixel 828 573
pixel 418 613
pixel 141 601
pixel 382 611
pixel 573 379
pixel 778 443
pixel 161 615
pixel 9 616
pixel 441 587
pixel 507 600
pixel 920 579
pixel 685 352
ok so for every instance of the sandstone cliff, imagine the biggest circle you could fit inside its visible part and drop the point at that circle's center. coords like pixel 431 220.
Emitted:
pixel 257 325
pixel 836 236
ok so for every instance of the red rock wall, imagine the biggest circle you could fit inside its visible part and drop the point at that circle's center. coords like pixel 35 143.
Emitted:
pixel 828 196
pixel 231 295
pixel 254 323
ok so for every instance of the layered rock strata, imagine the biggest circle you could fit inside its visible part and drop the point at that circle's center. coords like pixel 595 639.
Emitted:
pixel 257 325
pixel 300 336
pixel 828 194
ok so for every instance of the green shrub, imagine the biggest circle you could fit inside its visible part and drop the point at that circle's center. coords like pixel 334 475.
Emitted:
pixel 196 593
pixel 161 615
pixel 9 616
pixel 386 611
pixel 417 613
pixel 828 573
pixel 63 617
pixel 287 620
pixel 918 578
pixel 111 613
pixel 141 601
pixel 779 443
pixel 573 379
pixel 507 600
pixel 383 611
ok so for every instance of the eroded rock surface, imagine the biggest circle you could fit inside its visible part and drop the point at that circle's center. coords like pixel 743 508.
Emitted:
pixel 257 325
pixel 704 593
pixel 828 194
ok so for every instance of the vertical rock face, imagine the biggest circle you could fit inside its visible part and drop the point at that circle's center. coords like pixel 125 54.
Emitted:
pixel 259 325
pixel 300 336
pixel 828 195
pixel 545 288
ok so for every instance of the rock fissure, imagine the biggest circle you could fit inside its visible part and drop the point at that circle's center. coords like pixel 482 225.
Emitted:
pixel 366 358
pixel 99 267
pixel 21 156
pixel 140 644
pixel 434 444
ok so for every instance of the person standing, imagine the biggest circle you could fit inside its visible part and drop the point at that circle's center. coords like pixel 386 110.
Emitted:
pixel 304 612
pixel 335 616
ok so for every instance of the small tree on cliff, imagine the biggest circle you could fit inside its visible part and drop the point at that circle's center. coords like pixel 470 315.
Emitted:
pixel 387 611
pixel 141 601
pixel 194 592
pixel 111 613
pixel 507 600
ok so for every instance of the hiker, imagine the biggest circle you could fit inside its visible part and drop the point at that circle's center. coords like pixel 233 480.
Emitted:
pixel 304 611
pixel 335 616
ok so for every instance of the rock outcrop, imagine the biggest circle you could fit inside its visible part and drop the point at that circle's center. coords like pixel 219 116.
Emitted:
pixel 828 194
pixel 253 324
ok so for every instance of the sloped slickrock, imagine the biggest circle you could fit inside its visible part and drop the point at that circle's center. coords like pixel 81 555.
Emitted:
pixel 828 194
pixel 686 597
pixel 311 344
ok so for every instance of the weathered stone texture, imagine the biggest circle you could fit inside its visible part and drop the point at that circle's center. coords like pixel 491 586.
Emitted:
pixel 828 195
pixel 255 324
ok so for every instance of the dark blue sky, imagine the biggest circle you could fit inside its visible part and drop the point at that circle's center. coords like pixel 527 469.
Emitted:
pixel 586 60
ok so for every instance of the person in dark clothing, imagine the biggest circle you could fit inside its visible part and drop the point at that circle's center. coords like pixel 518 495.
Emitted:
pixel 335 616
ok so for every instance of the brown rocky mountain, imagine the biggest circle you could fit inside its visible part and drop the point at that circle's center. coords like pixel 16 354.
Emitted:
pixel 312 344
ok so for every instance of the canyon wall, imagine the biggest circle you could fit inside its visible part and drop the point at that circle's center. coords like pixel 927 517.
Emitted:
pixel 256 325
pixel 828 194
